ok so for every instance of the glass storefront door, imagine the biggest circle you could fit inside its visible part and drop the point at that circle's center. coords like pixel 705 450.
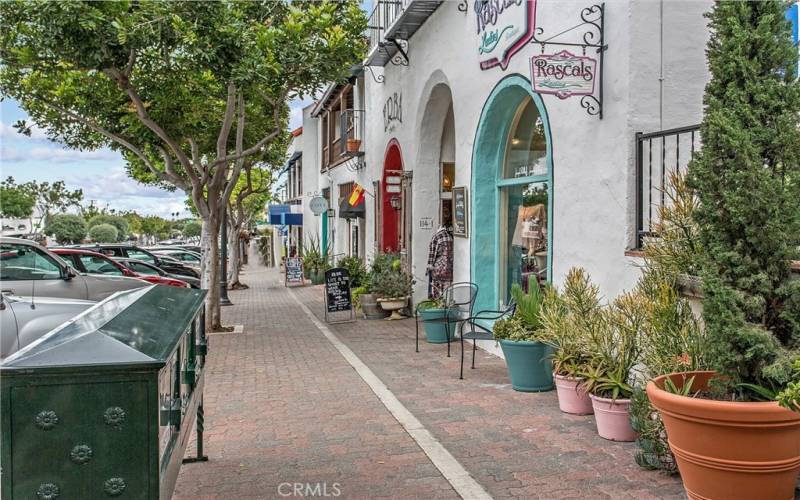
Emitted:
pixel 524 203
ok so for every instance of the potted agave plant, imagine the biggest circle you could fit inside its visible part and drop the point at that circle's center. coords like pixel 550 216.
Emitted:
pixel 609 371
pixel 746 181
pixel 566 317
pixel 520 337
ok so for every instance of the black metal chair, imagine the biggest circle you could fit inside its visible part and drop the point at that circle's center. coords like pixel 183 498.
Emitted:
pixel 479 332
pixel 459 299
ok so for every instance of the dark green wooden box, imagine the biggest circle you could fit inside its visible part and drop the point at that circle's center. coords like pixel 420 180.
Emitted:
pixel 103 406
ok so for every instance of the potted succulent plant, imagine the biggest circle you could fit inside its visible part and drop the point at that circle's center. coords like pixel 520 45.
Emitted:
pixel 527 357
pixel 609 370
pixel 315 261
pixel 566 317
pixel 745 178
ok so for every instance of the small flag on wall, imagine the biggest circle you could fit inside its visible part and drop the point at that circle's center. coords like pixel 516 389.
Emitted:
pixel 357 196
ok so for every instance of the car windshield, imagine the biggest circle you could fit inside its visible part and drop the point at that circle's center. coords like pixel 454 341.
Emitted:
pixel 24 262
pixel 142 268
pixel 99 265
pixel 134 253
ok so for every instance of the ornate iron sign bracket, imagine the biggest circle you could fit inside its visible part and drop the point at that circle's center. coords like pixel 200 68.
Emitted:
pixel 402 48
pixel 377 78
pixel 592 24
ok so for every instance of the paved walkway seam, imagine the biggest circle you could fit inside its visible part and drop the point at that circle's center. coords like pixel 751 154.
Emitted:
pixel 458 477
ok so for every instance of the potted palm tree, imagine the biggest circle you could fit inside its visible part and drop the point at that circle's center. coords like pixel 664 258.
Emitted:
pixel 609 371
pixel 520 337
pixel 746 180
pixel 566 319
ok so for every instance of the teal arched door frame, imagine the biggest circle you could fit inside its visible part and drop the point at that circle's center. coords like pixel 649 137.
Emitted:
pixel 488 157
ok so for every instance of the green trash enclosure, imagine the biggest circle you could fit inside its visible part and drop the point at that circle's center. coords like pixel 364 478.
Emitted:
pixel 103 406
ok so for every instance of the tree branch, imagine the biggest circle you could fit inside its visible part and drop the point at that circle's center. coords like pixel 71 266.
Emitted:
pixel 237 168
pixel 276 112
pixel 227 122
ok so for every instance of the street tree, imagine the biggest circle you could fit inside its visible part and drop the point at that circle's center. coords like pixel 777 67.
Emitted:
pixel 186 90
pixel 15 202
pixel 248 200
pixel 51 199
pixel 192 229
pixel 66 228
pixel 153 226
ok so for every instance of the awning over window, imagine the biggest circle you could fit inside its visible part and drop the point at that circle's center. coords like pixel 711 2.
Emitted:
pixel 347 211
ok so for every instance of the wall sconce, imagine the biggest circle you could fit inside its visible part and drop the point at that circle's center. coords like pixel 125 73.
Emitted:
pixel 394 201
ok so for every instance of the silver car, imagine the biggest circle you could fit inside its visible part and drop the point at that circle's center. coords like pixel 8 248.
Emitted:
pixel 24 320
pixel 27 269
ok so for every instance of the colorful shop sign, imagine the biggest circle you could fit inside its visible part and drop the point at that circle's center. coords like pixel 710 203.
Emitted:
pixel 504 28
pixel 563 74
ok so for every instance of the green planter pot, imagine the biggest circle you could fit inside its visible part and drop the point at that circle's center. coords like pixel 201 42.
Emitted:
pixel 529 365
pixel 436 333
pixel 317 278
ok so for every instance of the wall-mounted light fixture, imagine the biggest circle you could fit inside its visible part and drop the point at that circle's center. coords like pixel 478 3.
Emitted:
pixel 394 201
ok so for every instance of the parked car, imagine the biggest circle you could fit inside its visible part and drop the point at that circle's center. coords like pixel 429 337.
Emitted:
pixel 21 323
pixel 88 261
pixel 169 265
pixel 146 269
pixel 185 256
pixel 27 269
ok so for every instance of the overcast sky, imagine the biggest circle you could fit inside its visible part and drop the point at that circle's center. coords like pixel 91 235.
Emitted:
pixel 101 174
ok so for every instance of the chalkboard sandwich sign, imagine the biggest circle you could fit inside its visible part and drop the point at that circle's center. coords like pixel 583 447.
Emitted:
pixel 337 294
pixel 294 271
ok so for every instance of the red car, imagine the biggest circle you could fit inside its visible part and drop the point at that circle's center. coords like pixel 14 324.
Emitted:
pixel 87 261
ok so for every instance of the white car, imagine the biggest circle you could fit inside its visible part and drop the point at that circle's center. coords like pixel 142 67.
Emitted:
pixel 24 319
pixel 30 270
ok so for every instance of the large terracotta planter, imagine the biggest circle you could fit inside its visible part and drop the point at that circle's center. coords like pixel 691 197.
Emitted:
pixel 729 450
pixel 612 417
pixel 571 396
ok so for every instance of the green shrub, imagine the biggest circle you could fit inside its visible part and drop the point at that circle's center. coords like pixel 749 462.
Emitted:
pixel 315 261
pixel 747 180
pixel 103 233
pixel 119 223
pixel 355 268
pixel 66 228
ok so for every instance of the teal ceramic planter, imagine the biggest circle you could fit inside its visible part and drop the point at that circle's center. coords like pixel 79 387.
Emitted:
pixel 435 332
pixel 529 365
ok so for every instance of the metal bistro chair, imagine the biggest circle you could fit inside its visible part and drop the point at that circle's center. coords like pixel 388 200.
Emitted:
pixel 479 332
pixel 459 299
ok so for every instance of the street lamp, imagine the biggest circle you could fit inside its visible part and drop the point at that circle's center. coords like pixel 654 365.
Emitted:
pixel 223 279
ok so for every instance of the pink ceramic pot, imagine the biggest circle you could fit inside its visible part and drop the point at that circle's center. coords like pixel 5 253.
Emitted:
pixel 571 396
pixel 612 418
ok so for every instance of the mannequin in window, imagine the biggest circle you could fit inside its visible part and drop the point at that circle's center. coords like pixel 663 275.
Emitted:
pixel 440 259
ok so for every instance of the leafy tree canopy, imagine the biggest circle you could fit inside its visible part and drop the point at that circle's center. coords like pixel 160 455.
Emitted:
pixel 117 221
pixel 192 229
pixel 15 202
pixel 67 228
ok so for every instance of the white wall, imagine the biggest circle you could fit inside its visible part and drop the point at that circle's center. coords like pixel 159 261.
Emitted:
pixel 593 219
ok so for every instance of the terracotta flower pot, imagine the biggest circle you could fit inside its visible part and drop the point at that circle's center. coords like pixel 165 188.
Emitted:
pixel 613 418
pixel 729 450
pixel 571 396
pixel 353 145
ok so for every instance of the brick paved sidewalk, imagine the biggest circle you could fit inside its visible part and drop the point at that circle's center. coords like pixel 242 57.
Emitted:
pixel 283 406
pixel 517 445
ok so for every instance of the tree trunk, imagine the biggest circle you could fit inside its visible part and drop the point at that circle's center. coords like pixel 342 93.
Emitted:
pixel 210 270
pixel 234 252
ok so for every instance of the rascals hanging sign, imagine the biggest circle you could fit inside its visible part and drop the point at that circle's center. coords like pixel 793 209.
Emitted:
pixel 504 27
pixel 563 74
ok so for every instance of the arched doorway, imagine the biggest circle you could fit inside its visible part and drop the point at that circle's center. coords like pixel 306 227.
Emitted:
pixel 392 199
pixel 512 186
